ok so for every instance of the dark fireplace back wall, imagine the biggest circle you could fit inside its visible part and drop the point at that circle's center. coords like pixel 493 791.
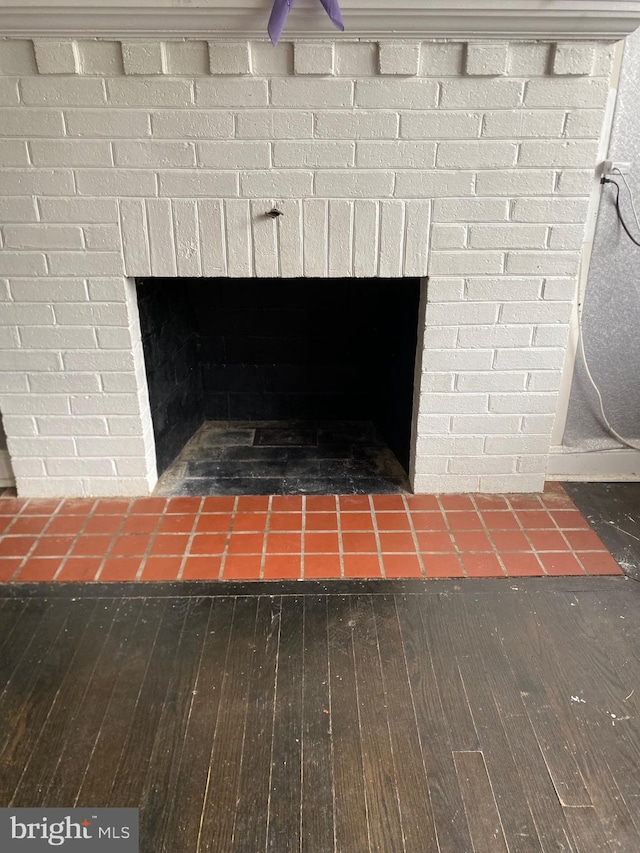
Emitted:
pixel 278 349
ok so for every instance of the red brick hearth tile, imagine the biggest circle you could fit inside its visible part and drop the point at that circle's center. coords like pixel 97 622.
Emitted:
pixel 388 503
pixel 547 540
pixel 285 521
pixel 120 569
pixel 521 565
pixel 218 503
pixel 242 567
pixel 76 506
pixel 41 506
pixel 425 502
pixel 568 519
pixel 498 520
pixel 244 543
pixel 457 502
pixel 286 566
pixel 213 543
pixel 8 567
pixel 201 568
pixel 599 563
pixel 442 566
pixel 396 542
pixel 91 546
pixel 472 541
pixel 140 524
pixel 284 543
pixel 29 525
pixel 393 521
pixel 150 506
pixel 39 569
pixel 321 543
pixel 438 542
pixel 361 566
pixel 12 506
pixel 560 563
pixel 401 566
pixel 510 540
pixel 249 521
pixel 525 501
pixel 5 522
pixel 220 522
pixel 429 521
pixel 253 503
pixel 181 523
pixel 161 568
pixel 464 521
pixel 80 569
pixel 168 544
pixel 322 566
pixel 16 546
pixel 356 521
pixel 66 524
pixel 491 502
pixel 321 503
pixel 584 540
pixel 286 503
pixel 354 503
pixel 535 520
pixel 111 506
pixel 130 546
pixel 359 542
pixel 184 506
pixel 482 566
pixel 52 546
pixel 321 521
pixel 103 524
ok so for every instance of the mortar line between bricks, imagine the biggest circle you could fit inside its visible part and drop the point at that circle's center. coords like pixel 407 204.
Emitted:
pixel 525 531
pixel 265 537
pixel 376 533
pixel 225 551
pixel 452 538
pixel 489 537
pixel 114 538
pixel 76 538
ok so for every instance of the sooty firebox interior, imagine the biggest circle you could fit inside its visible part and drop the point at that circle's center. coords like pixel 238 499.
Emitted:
pixel 280 386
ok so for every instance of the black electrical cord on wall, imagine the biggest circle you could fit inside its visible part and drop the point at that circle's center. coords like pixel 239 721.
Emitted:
pixel 605 180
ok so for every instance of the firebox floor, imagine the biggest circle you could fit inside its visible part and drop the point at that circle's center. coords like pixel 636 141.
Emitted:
pixel 284 458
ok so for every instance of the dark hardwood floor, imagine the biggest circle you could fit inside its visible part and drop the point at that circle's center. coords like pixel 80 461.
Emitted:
pixel 485 716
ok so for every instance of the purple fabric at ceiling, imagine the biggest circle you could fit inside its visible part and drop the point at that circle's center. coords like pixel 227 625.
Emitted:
pixel 281 9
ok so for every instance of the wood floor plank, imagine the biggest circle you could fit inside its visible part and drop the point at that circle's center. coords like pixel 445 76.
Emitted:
pixel 537 784
pixel 383 812
pixel 216 828
pixel 285 784
pixel 183 824
pixel 446 799
pixel 252 810
pixel 462 733
pixel 47 744
pixel 103 725
pixel 350 804
pixel 587 832
pixel 160 785
pixel 593 736
pixel 25 646
pixel 317 788
pixel 65 777
pixel 411 779
pixel 479 803
pixel 466 638
pixel 526 652
pixel 11 612
pixel 35 695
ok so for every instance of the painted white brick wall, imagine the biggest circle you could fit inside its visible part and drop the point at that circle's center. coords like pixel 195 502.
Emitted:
pixel 471 164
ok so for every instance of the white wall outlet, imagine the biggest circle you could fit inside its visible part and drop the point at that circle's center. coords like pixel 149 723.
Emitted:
pixel 609 166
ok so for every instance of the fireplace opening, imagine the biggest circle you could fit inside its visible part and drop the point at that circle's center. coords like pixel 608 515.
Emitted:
pixel 280 386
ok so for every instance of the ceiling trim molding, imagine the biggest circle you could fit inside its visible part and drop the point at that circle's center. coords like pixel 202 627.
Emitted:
pixel 601 20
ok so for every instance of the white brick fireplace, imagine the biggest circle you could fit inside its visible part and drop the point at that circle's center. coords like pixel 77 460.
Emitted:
pixel 467 161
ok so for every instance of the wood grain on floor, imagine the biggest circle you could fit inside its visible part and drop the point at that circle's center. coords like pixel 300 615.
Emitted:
pixel 443 717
